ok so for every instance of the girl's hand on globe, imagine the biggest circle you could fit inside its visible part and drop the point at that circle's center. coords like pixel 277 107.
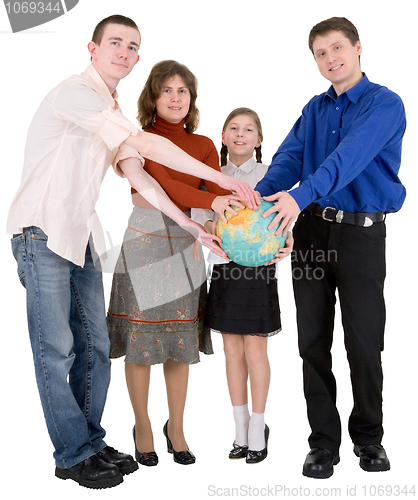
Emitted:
pixel 207 239
pixel 209 242
pixel 223 203
pixel 210 227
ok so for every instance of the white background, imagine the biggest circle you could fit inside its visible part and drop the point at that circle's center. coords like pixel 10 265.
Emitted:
pixel 244 53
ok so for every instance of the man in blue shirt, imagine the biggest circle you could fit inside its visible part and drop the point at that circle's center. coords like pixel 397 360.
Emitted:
pixel 345 152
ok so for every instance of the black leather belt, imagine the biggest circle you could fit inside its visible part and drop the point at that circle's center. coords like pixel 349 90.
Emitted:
pixel 331 214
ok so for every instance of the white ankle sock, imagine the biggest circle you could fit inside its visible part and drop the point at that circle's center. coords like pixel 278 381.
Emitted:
pixel 256 440
pixel 242 418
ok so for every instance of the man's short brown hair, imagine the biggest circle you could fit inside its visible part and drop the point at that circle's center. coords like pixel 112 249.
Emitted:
pixel 115 19
pixel 334 24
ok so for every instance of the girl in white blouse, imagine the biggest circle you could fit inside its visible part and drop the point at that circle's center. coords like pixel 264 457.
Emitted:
pixel 243 301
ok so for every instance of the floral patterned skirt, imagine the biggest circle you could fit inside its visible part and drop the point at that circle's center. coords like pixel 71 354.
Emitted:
pixel 159 291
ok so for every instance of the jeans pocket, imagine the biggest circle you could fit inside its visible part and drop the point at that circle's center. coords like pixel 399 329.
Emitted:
pixel 18 249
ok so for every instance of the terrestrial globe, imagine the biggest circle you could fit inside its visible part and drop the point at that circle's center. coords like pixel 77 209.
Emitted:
pixel 245 237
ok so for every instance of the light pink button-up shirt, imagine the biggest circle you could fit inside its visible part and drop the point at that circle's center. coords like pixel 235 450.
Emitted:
pixel 73 138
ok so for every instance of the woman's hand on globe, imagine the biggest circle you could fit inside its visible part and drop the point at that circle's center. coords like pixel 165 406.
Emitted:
pixel 223 203
pixel 244 190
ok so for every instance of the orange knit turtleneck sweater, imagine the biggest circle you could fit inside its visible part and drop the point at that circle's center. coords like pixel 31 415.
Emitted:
pixel 183 189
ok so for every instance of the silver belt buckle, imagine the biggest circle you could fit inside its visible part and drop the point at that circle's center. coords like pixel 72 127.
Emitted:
pixel 338 218
pixel 324 214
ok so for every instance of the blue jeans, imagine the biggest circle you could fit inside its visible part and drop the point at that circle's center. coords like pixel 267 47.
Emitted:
pixel 70 344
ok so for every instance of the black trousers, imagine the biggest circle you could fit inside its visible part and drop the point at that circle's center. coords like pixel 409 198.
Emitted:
pixel 351 259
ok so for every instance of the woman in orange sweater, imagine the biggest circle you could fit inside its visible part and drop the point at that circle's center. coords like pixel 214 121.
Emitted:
pixel 159 288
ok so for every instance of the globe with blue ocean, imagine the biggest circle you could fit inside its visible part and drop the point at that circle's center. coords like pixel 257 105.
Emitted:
pixel 246 238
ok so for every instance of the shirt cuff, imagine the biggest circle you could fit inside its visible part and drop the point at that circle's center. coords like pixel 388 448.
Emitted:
pixel 116 129
pixel 123 153
pixel 264 189
pixel 302 196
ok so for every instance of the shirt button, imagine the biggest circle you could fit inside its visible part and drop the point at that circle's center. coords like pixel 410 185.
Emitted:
pixel 337 108
pixel 333 131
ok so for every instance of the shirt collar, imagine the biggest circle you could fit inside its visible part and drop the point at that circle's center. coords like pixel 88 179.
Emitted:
pixel 354 93
pixel 246 167
pixel 99 85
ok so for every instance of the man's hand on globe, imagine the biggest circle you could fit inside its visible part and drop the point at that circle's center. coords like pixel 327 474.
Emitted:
pixel 285 251
pixel 287 210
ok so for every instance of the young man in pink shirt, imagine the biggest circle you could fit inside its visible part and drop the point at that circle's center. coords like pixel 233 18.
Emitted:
pixel 72 140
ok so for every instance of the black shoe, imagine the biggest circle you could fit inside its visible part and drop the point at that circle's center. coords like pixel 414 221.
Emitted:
pixel 149 459
pixel 373 457
pixel 238 451
pixel 181 457
pixel 254 457
pixel 92 473
pixel 320 463
pixel 124 462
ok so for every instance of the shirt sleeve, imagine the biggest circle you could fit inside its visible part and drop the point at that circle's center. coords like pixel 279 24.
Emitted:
pixel 82 105
pixel 212 160
pixel 285 169
pixel 123 153
pixel 381 126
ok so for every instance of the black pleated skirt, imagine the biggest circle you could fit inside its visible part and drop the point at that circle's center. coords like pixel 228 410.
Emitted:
pixel 243 300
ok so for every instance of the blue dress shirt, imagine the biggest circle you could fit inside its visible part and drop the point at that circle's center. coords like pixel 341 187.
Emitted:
pixel 345 151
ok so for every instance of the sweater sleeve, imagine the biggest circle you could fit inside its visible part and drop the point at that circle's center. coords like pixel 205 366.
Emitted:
pixel 183 189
